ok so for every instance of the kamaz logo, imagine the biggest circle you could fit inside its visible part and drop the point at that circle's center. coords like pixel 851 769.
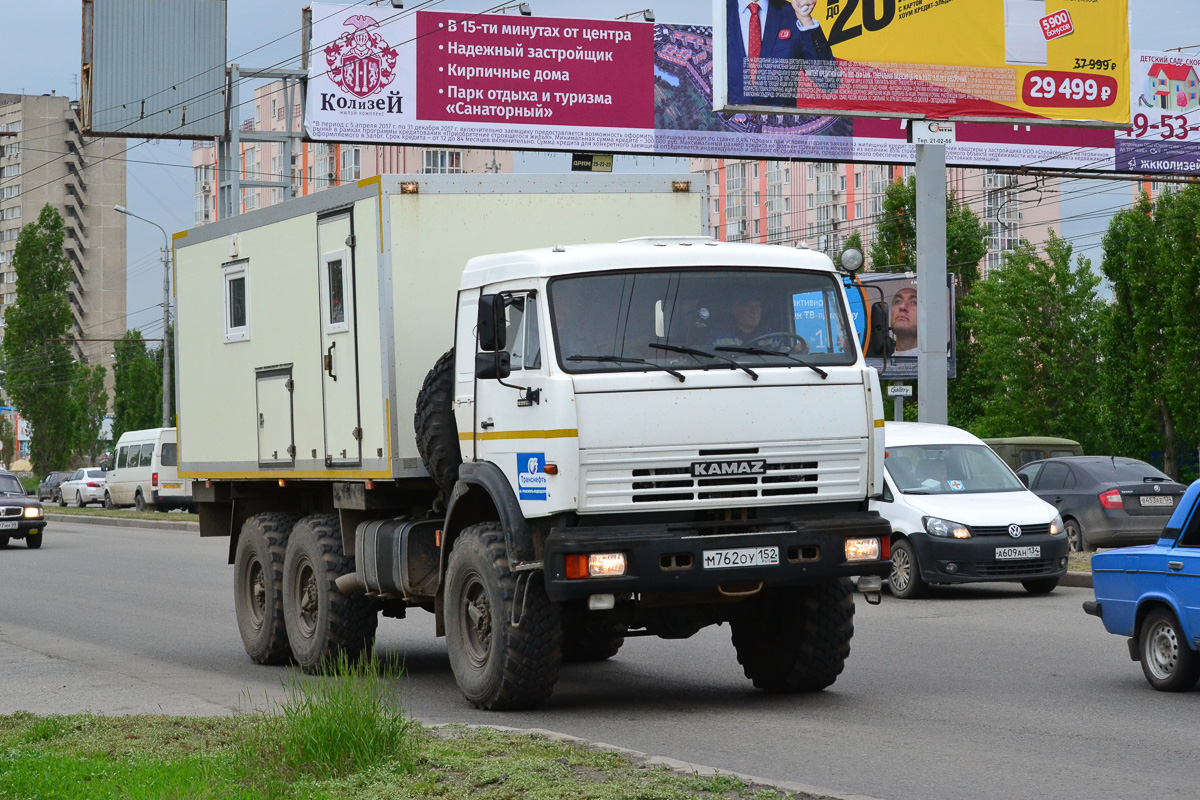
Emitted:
pixel 706 469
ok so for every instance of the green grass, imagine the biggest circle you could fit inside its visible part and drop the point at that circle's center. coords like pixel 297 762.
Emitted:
pixel 341 736
pixel 1079 562
pixel 120 513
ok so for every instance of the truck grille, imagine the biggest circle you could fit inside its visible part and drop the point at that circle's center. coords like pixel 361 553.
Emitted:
pixel 643 478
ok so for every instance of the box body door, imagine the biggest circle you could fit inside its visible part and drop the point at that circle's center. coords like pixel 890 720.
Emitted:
pixel 339 341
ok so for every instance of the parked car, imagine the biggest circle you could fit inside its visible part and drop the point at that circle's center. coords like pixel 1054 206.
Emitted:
pixel 1017 451
pixel 1105 501
pixel 85 486
pixel 1151 594
pixel 959 514
pixel 146 474
pixel 48 487
pixel 21 516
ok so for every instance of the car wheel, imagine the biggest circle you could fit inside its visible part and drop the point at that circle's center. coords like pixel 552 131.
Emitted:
pixel 905 580
pixel 1169 663
pixel 4 541
pixel 108 501
pixel 33 540
pixel 59 499
pixel 139 502
pixel 258 587
pixel 1074 536
pixel 1040 585
pixel 78 500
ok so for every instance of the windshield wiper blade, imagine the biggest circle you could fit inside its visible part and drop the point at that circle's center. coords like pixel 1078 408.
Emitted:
pixel 689 351
pixel 758 351
pixel 623 360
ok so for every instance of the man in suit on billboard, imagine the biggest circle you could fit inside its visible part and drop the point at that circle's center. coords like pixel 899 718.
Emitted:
pixel 768 43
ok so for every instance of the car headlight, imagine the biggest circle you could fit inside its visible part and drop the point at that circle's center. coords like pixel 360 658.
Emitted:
pixel 1057 527
pixel 936 526
pixel 33 512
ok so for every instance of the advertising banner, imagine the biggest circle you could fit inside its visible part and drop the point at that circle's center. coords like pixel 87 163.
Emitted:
pixel 942 59
pixel 390 76
pixel 1164 136
pixel 883 310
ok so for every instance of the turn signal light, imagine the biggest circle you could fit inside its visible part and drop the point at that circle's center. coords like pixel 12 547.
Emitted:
pixel 1112 500
pixel 863 550
pixel 577 566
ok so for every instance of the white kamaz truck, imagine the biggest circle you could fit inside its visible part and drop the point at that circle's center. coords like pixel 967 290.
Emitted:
pixel 550 449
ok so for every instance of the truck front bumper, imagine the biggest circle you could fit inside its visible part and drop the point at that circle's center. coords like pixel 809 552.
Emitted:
pixel 670 559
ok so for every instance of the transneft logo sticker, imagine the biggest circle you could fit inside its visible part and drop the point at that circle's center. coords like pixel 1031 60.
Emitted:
pixel 531 476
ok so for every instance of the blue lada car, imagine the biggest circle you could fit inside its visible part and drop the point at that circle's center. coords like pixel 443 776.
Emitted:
pixel 1151 594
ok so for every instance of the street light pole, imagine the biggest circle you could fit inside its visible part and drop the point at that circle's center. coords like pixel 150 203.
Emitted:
pixel 166 259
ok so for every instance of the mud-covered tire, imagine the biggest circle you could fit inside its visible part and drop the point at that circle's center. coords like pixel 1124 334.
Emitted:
pixel 139 502
pixel 108 502
pixel 796 640
pixel 258 587
pixel 322 623
pixel 586 638
pixel 437 432
pixel 498 666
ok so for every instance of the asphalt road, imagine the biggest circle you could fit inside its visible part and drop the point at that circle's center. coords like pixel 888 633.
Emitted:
pixel 974 693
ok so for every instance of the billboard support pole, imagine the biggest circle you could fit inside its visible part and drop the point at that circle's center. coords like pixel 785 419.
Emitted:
pixel 932 296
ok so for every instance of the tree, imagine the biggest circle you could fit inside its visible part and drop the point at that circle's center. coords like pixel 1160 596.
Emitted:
pixel 853 240
pixel 90 404
pixel 1149 342
pixel 1036 323
pixel 38 364
pixel 137 386
pixel 8 437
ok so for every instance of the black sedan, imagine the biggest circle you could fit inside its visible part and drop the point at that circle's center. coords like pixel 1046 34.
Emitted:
pixel 20 515
pixel 48 486
pixel 1105 501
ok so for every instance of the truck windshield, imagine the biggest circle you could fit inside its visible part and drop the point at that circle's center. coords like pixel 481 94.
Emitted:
pixel 688 319
pixel 949 469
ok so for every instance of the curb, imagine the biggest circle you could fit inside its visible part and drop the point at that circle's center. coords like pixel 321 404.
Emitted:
pixel 165 525
pixel 800 791
pixel 1079 579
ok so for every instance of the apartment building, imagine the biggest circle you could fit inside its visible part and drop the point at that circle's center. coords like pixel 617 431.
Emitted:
pixel 317 166
pixel 823 204
pixel 44 159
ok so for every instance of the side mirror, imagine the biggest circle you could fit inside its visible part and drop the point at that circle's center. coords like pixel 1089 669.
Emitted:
pixel 493 366
pixel 1024 479
pixel 491 324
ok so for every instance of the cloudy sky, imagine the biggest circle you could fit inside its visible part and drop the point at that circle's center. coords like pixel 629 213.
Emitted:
pixel 39 53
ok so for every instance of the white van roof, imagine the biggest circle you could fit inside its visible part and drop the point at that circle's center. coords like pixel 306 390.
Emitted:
pixel 899 434
pixel 147 433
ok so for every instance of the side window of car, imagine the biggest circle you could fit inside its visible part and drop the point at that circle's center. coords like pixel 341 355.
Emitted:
pixel 1054 476
pixel 1069 483
pixel 78 475
pixel 1191 534
pixel 1027 475
pixel 147 454
pixel 121 455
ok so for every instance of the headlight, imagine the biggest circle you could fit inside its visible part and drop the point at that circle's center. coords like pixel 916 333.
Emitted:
pixel 1056 527
pixel 936 526
pixel 33 512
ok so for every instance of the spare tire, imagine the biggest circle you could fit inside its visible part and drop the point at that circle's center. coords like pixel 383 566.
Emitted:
pixel 437 432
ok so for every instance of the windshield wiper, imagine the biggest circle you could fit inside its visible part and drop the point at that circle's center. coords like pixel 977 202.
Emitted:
pixel 689 351
pixel 758 351
pixel 623 360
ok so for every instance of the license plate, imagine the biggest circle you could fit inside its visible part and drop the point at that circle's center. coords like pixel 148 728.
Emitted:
pixel 171 485
pixel 1157 500
pixel 1018 552
pixel 741 557
pixel 8 526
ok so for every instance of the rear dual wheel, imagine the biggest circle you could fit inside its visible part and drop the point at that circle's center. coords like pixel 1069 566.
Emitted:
pixel 258 587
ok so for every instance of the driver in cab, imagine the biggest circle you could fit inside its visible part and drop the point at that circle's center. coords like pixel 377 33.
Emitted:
pixel 745 328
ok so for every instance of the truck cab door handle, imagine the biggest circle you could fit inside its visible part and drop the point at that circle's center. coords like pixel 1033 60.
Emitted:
pixel 487 423
pixel 1058 499
pixel 1175 565
pixel 329 360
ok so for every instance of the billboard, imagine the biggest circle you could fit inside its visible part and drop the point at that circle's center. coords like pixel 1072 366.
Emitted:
pixel 883 310
pixel 942 59
pixel 482 81
pixel 153 69
pixel 1164 135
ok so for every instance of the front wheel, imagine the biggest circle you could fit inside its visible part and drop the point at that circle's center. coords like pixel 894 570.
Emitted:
pixel 905 578
pixel 258 587
pixel 322 623
pixel 108 502
pixel 796 640
pixel 62 503
pixel 1169 663
pixel 1040 585
pixel 499 665
pixel 33 540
